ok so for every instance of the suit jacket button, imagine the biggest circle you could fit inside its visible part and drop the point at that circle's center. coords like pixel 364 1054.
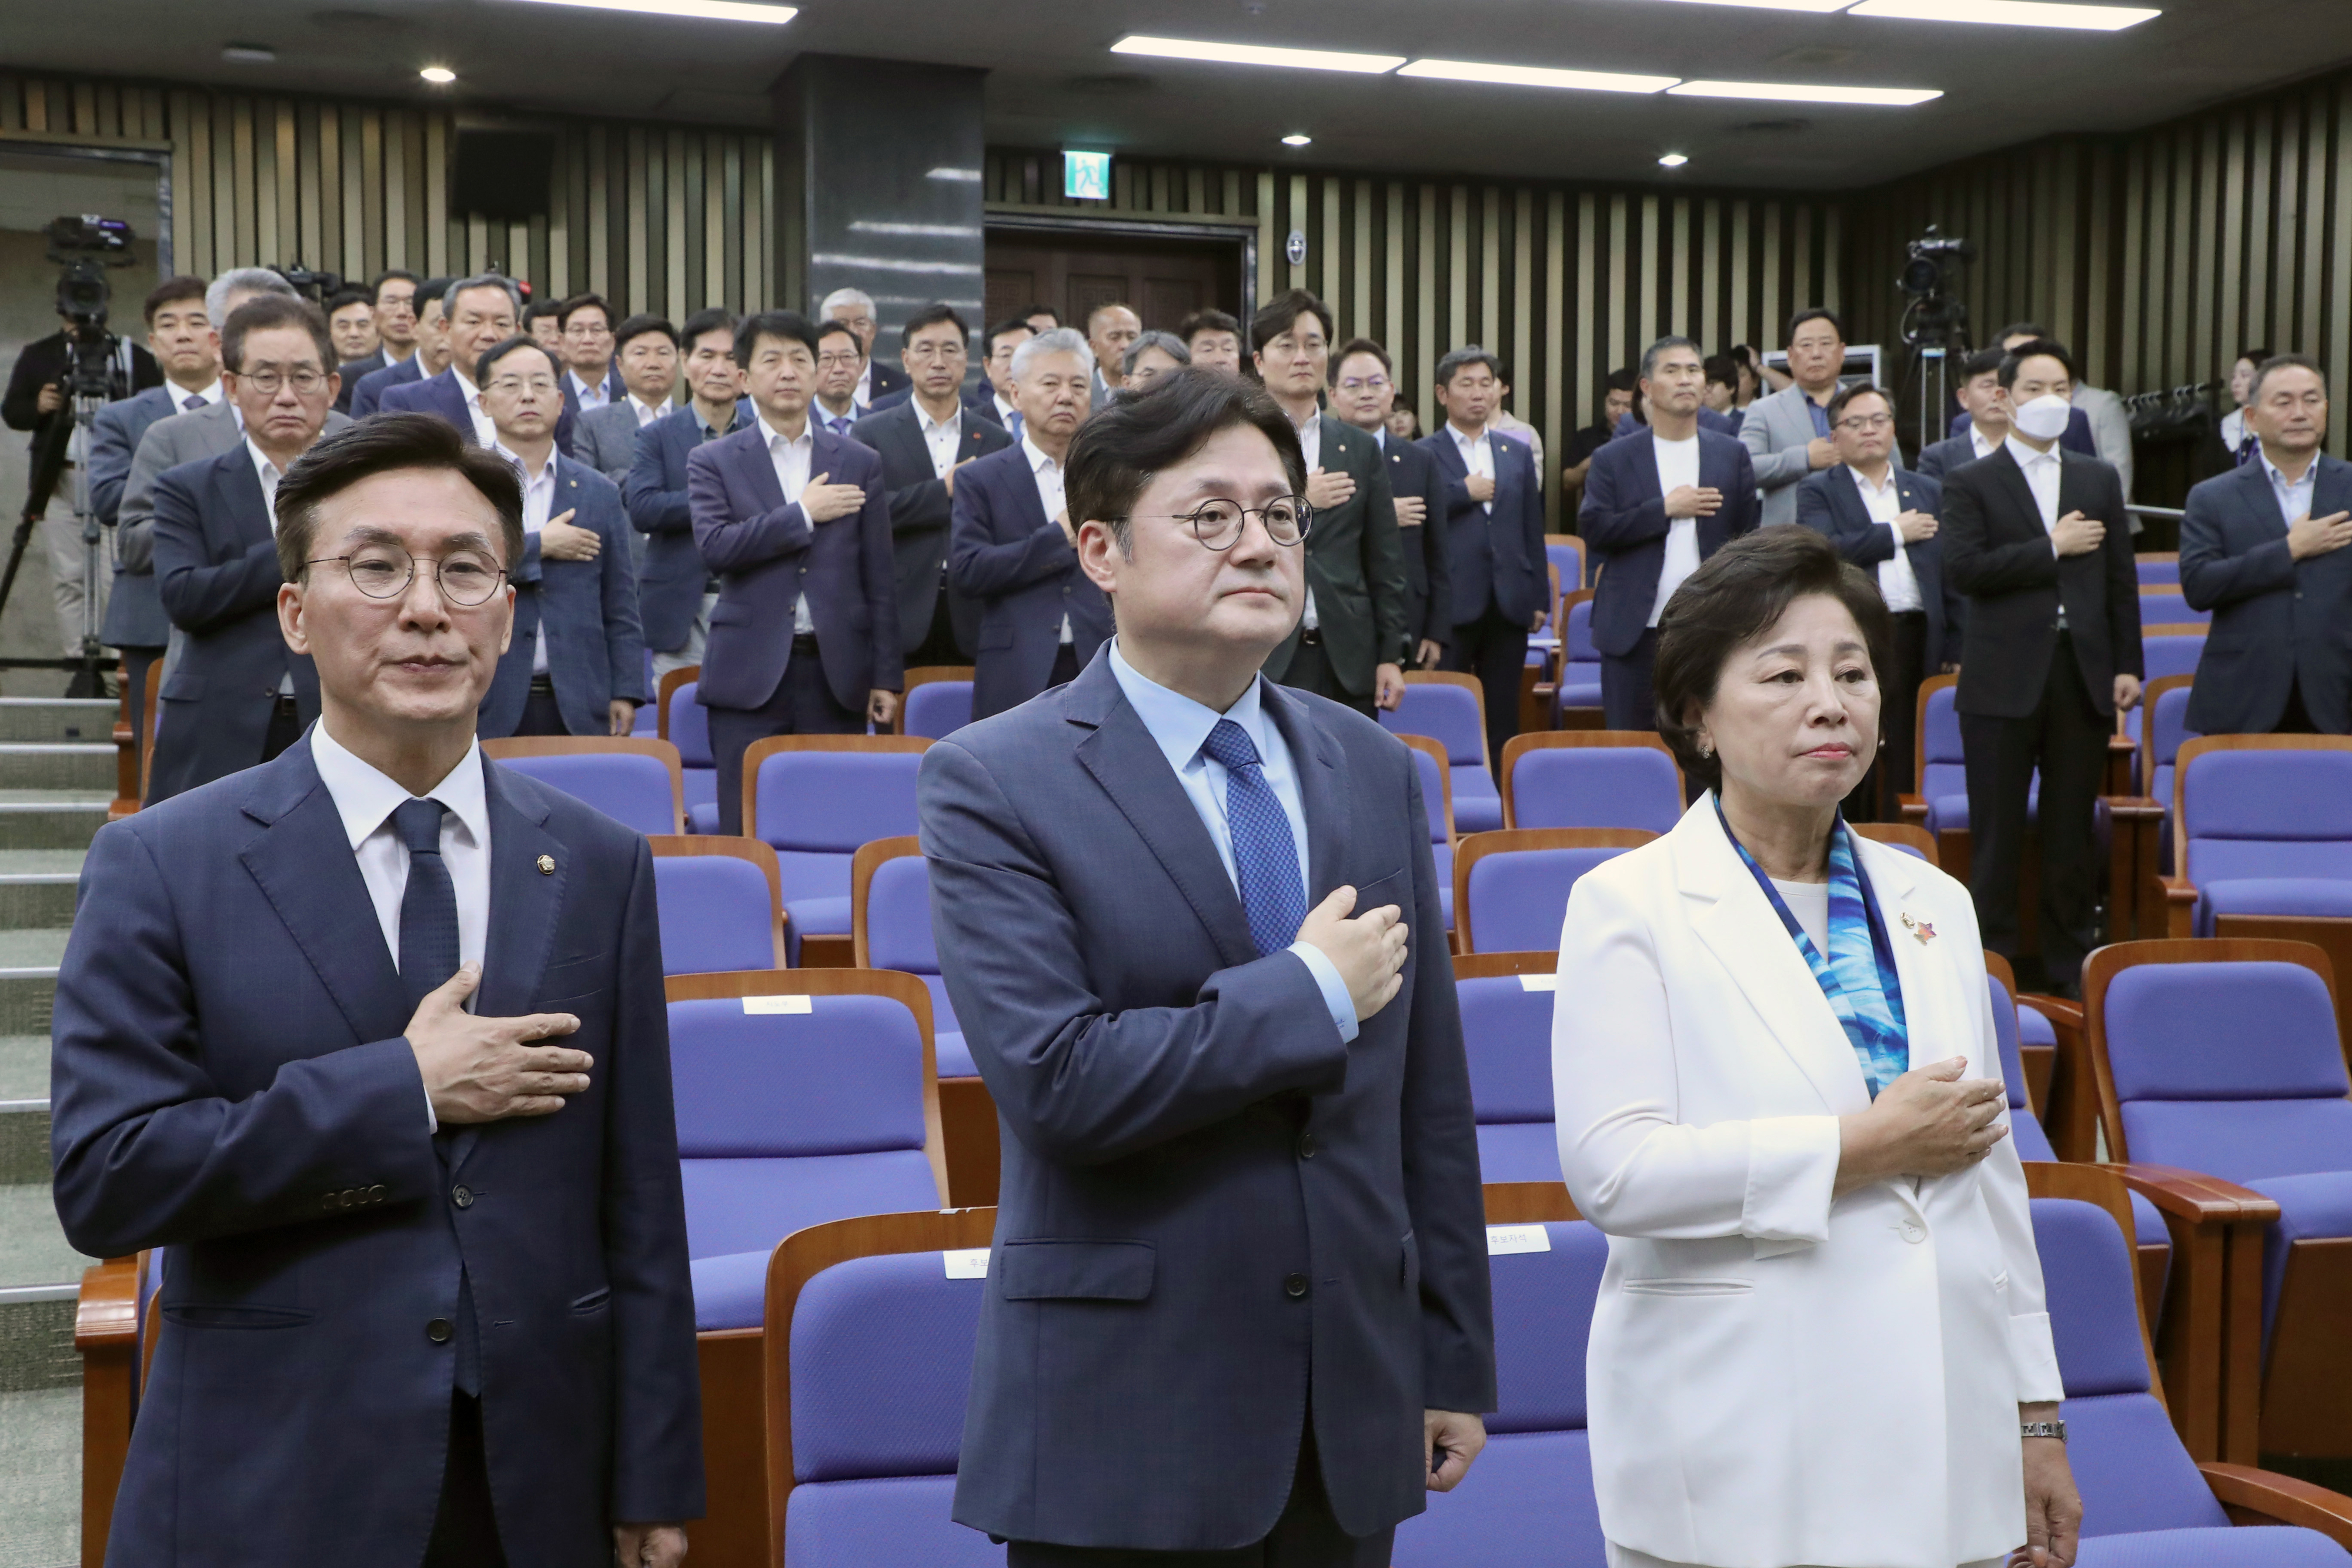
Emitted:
pixel 463 1197
pixel 1294 1285
pixel 1306 1146
pixel 440 1331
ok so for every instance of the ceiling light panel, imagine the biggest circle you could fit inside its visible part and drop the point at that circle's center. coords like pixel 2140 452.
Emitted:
pixel 1537 76
pixel 2010 13
pixel 1256 54
pixel 1817 7
pixel 699 10
pixel 1792 92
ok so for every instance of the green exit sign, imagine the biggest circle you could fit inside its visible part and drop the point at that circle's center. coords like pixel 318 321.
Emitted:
pixel 1086 176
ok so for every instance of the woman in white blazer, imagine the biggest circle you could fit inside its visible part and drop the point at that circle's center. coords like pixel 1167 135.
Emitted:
pixel 1821 1338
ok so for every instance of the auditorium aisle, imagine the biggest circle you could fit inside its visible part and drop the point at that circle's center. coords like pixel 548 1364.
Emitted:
pixel 57 775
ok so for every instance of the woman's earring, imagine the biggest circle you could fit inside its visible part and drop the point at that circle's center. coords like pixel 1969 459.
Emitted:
pixel 1705 746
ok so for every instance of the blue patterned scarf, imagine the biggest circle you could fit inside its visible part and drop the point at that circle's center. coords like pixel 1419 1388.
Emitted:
pixel 1858 976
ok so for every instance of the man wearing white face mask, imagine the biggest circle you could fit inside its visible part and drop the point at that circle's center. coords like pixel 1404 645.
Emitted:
pixel 2038 540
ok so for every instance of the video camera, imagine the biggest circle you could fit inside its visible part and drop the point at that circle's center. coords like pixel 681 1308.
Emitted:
pixel 86 247
pixel 318 288
pixel 1930 281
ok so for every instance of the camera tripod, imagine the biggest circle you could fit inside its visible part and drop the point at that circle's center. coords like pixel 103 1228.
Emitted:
pixel 88 387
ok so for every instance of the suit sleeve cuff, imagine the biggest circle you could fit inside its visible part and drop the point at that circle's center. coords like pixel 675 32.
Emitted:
pixel 2035 1357
pixel 1343 1005
pixel 1793 1164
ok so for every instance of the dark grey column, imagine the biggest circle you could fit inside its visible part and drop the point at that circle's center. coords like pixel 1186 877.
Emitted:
pixel 878 175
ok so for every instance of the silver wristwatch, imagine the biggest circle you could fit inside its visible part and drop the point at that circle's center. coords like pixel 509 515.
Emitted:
pixel 2042 1429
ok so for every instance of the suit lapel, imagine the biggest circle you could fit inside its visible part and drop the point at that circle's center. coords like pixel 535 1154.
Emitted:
pixel 2331 493
pixel 759 471
pixel 525 906
pixel 1448 455
pixel 1321 768
pixel 2011 478
pixel 240 489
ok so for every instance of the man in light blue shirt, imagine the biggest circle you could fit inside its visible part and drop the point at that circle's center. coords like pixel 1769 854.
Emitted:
pixel 1189 922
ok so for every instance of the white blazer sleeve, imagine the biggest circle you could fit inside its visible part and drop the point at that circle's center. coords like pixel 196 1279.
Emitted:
pixel 1634 1168
pixel 2001 1179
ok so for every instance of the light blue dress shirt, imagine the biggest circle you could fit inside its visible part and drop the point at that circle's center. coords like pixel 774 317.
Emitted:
pixel 2294 496
pixel 1180 727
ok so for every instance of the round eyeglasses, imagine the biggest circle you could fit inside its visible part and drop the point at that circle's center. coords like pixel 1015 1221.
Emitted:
pixel 466 577
pixel 1218 524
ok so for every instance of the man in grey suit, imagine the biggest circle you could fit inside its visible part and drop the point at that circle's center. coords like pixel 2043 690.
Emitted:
pixel 1788 434
pixel 1237 1309
pixel 645 353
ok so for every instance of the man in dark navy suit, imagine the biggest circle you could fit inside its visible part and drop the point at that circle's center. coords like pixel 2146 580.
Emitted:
pixel 1885 521
pixel 1363 390
pixel 675 590
pixel 1237 1304
pixel 577 663
pixel 805 638
pixel 480 313
pixel 1988 423
pixel 1656 506
pixel 392 310
pixel 591 377
pixel 2261 547
pixel 432 355
pixel 924 440
pixel 425 1295
pixel 1494 527
pixel 236 695
pixel 1012 545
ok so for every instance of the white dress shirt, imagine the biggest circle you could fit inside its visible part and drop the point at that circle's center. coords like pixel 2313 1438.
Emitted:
pixel 1982 444
pixel 205 395
pixel 485 433
pixel 861 397
pixel 1311 444
pixel 1677 466
pixel 1049 475
pixel 269 477
pixel 1898 584
pixel 538 500
pixel 2294 496
pixel 647 413
pixel 365 799
pixel 1006 413
pixel 2041 470
pixel 1477 455
pixel 589 396
pixel 1180 727
pixel 940 437
pixel 792 459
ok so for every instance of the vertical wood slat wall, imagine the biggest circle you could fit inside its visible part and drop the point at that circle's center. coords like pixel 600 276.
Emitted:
pixel 1563 283
pixel 2157 256
pixel 653 217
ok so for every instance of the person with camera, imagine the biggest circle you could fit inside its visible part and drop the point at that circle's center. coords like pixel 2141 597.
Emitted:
pixel 40 400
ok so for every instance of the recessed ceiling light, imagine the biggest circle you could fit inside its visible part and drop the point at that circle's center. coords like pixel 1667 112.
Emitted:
pixel 2012 12
pixel 703 10
pixel 1256 54
pixel 1297 139
pixel 1537 76
pixel 439 76
pixel 1673 161
pixel 248 54
pixel 1792 92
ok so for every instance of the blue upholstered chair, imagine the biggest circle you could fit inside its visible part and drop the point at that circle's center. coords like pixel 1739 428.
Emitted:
pixel 2157 569
pixel 1450 709
pixel 2162 733
pixel 890 923
pixel 1510 888
pixel 635 781
pixel 1590 779
pixel 1506 1000
pixel 2163 604
pixel 939 700
pixel 1579 690
pixel 2261 827
pixel 721 902
pixel 685 723
pixel 815 799
pixel 1437 800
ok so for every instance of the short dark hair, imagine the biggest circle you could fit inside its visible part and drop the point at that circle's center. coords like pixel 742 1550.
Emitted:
pixel 1983 363
pixel 1817 313
pixel 2276 362
pixel 1722 370
pixel 539 310
pixel 429 290
pixel 1737 594
pixel 2037 348
pixel 1354 346
pixel 1860 389
pixel 1649 355
pixel 1043 310
pixel 505 346
pixel 342 299
pixel 637 326
pixel 389 275
pixel 264 311
pixel 931 315
pixel 1281 313
pixel 789 325
pixel 2021 330
pixel 1211 320
pixel 171 291
pixel 2257 355
pixel 1120 447
pixel 1404 408
pixel 582 302
pixel 1627 380
pixel 1009 325
pixel 1458 359
pixel 703 323
pixel 829 327
pixel 385 444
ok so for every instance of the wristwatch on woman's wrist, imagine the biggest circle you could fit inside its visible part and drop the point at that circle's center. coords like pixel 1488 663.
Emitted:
pixel 2042 1429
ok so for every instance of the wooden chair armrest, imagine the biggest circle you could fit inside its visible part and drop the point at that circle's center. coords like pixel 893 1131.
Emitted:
pixel 2066 1018
pixel 2177 889
pixel 2250 1495
pixel 2134 805
pixel 2196 1196
pixel 106 1314
pixel 1915 809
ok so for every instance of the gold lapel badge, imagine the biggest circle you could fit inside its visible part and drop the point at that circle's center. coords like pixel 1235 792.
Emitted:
pixel 1924 930
pixel 547 868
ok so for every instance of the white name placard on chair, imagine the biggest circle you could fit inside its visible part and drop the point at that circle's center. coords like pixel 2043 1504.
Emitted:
pixel 755 1006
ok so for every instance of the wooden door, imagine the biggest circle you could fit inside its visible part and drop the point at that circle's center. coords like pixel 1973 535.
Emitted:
pixel 1162 280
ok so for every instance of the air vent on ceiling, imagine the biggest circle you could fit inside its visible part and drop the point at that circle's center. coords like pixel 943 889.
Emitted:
pixel 1771 127
pixel 1815 57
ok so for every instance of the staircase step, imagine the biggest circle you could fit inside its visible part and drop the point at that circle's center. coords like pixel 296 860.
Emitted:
pixel 24 1066
pixel 57 764
pixel 29 979
pixel 58 718
pixel 33 1246
pixel 38 887
pixel 40 1453
pixel 36 818
pixel 36 1348
pixel 23 1143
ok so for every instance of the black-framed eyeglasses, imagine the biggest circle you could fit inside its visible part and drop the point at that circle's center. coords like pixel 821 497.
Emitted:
pixel 466 577
pixel 1218 524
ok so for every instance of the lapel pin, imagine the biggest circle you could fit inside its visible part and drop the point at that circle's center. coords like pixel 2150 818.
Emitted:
pixel 1922 929
pixel 547 868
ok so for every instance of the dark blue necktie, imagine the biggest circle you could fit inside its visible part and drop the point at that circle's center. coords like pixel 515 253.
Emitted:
pixel 1012 423
pixel 1266 857
pixel 428 905
pixel 192 402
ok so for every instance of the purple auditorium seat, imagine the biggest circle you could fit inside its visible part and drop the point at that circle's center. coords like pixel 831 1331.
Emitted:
pixel 1519 896
pixel 2144 1504
pixel 1451 714
pixel 647 722
pixel 2163 604
pixel 1944 780
pixel 881 1360
pixel 2157 571
pixel 689 731
pixel 938 707
pixel 1529 1500
pixel 816 808
pixel 1507 1034
pixel 1566 554
pixel 1594 787
pixel 787 1119
pixel 1441 849
pixel 718 913
pixel 1580 678
pixel 2172 653
pixel 2269 832
pixel 2234 1069
pixel 630 787
pixel 899 936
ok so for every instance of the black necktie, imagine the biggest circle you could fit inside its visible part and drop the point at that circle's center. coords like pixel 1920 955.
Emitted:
pixel 428 905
